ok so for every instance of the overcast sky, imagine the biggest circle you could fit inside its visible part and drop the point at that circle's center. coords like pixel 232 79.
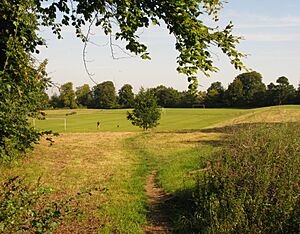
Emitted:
pixel 271 29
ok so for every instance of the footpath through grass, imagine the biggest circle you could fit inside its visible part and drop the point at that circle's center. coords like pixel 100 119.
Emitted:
pixel 109 169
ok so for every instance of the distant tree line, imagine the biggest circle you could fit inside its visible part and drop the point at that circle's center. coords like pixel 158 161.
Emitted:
pixel 246 90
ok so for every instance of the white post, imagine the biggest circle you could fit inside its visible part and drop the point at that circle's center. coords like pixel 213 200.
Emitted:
pixel 33 122
pixel 65 124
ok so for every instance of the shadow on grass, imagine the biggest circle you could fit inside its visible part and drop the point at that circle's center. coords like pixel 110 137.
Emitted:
pixel 181 205
pixel 223 129
pixel 226 129
pixel 180 209
pixel 215 143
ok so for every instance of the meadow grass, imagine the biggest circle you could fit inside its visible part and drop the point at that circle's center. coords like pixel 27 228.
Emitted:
pixel 253 185
pixel 98 166
pixel 109 166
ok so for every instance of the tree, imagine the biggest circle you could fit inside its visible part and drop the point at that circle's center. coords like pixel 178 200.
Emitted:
pixel 55 101
pixel 84 96
pixel 105 95
pixel 167 97
pixel 234 93
pixel 126 96
pixel 215 95
pixel 22 81
pixel 146 113
pixel 297 97
pixel 67 95
pixel 247 90
pixel 283 91
pixel 270 94
pixel 253 88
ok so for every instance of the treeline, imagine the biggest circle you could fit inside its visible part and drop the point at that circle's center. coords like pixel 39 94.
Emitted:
pixel 246 90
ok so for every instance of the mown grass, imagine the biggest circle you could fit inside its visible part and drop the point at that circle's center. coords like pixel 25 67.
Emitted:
pixel 85 120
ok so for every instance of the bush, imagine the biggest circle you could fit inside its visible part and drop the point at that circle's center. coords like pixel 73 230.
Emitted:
pixel 29 209
pixel 253 186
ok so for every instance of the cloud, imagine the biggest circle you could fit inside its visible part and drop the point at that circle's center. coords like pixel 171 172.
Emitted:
pixel 271 37
pixel 266 28
pixel 249 21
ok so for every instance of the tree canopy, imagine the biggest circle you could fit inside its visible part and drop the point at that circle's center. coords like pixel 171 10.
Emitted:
pixel 22 81
pixel 67 95
pixel 84 95
pixel 122 20
pixel 126 96
pixel 105 95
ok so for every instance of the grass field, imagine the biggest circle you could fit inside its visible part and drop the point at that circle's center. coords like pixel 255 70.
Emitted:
pixel 112 162
pixel 85 120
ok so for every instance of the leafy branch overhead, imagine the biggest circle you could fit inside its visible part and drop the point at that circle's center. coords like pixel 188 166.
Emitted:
pixel 182 17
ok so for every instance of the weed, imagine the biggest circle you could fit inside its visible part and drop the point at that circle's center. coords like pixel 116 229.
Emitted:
pixel 253 185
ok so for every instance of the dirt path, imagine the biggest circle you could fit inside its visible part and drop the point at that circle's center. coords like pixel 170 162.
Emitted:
pixel 158 218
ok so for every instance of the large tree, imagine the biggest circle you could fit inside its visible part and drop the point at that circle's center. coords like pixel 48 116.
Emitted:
pixel 84 96
pixel 215 95
pixel 126 96
pixel 167 97
pixel 67 95
pixel 105 95
pixel 234 93
pixel 285 92
pixel 297 97
pixel 247 90
pixel 22 81
pixel 282 93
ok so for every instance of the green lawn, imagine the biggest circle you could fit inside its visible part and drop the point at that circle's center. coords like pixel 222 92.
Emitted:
pixel 85 120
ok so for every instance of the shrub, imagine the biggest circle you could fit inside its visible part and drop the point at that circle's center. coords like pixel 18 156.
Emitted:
pixel 253 186
pixel 145 113
pixel 29 209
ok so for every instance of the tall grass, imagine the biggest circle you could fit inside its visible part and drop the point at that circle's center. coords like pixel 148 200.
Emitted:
pixel 253 184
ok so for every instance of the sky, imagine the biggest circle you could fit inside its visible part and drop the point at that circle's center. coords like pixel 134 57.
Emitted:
pixel 270 28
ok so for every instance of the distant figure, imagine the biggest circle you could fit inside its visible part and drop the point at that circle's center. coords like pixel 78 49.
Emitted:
pixel 98 125
pixel 118 126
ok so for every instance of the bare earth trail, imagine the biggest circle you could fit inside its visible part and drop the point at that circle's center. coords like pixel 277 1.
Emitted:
pixel 158 217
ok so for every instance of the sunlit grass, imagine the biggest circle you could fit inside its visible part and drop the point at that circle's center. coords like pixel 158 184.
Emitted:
pixel 115 120
pixel 96 164
pixel 111 163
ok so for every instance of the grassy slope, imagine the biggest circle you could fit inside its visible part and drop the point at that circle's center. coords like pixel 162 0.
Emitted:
pixel 114 165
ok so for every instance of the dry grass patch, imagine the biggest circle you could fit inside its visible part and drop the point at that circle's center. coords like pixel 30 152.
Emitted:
pixel 88 164
pixel 180 140
pixel 274 114
pixel 74 161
